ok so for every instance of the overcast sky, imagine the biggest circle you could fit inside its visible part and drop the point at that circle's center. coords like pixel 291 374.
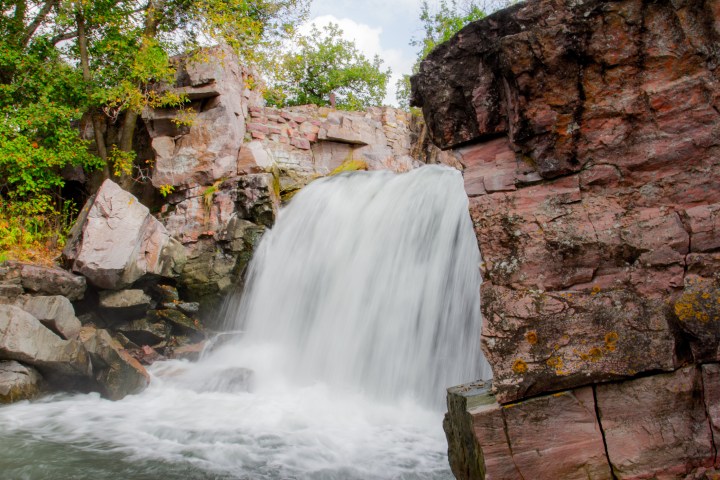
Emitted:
pixel 382 27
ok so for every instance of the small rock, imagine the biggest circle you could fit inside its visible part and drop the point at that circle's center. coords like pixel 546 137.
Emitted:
pixel 56 313
pixel 189 308
pixel 167 293
pixel 18 382
pixel 179 321
pixel 124 305
pixel 145 332
pixel 190 352
pixel 52 281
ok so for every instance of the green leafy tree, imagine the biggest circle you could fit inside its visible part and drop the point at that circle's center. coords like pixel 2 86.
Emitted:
pixel 68 64
pixel 326 64
pixel 439 25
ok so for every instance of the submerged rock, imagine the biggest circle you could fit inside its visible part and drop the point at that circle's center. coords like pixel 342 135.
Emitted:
pixel 18 382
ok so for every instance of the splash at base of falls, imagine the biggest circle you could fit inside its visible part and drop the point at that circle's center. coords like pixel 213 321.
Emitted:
pixel 362 307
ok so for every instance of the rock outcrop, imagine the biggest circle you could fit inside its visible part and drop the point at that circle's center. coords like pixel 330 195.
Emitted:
pixel 117 241
pixel 230 162
pixel 589 132
pixel 58 354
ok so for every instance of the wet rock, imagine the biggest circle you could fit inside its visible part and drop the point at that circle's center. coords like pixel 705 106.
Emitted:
pixel 120 241
pixel 191 351
pixel 529 439
pixel 167 293
pixel 18 382
pixel 145 332
pixel 146 355
pixel 25 339
pixel 258 201
pixel 117 373
pixel 656 427
pixel 56 313
pixel 124 305
pixel 188 308
pixel 181 323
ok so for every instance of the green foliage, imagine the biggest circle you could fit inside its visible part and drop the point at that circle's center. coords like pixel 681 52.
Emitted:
pixel 166 190
pixel 41 102
pixel 122 162
pixel 72 65
pixel 439 25
pixel 325 63
pixel 444 22
pixel 350 166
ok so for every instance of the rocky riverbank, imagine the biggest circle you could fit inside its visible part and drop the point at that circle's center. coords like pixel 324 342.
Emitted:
pixel 590 133
pixel 144 276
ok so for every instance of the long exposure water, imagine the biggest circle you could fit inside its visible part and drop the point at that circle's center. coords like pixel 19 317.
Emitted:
pixel 361 307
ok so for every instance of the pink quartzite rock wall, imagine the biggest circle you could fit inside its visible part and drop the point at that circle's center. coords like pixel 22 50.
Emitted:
pixel 228 161
pixel 589 132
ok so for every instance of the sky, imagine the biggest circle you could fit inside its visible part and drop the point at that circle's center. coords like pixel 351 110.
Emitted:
pixel 382 27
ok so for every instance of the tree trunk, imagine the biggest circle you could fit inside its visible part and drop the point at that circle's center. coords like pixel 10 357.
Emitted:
pixel 87 77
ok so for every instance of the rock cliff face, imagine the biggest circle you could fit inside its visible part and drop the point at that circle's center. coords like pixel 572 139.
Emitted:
pixel 590 136
pixel 230 161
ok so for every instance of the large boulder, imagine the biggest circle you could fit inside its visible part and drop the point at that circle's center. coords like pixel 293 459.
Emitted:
pixel 25 339
pixel 117 373
pixel 18 382
pixel 119 241
pixel 56 313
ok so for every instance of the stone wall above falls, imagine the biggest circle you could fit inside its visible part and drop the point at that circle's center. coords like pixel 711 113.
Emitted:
pixel 590 136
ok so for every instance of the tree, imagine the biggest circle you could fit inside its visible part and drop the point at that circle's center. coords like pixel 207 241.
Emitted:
pixel 65 64
pixel 326 64
pixel 439 25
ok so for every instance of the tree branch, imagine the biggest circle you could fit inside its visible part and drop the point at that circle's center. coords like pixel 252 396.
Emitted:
pixel 63 36
pixel 37 21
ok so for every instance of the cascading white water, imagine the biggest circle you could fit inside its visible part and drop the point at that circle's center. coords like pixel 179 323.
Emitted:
pixel 362 306
pixel 372 280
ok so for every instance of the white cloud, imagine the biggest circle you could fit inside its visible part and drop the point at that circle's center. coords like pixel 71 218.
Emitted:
pixel 368 40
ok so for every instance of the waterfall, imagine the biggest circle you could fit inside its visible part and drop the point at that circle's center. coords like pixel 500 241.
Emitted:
pixel 371 279
pixel 361 307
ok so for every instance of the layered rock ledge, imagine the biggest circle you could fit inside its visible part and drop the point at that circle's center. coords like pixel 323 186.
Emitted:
pixel 589 132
